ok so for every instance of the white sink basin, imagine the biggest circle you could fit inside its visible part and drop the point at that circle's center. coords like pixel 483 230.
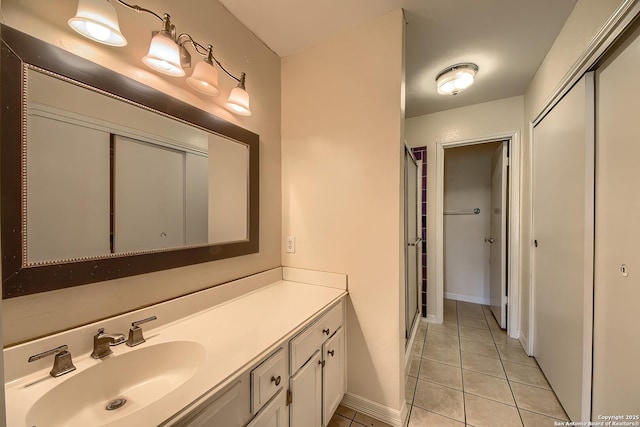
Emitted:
pixel 140 376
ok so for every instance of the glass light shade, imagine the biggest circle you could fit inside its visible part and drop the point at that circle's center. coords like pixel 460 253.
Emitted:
pixel 456 78
pixel 98 21
pixel 204 79
pixel 164 55
pixel 238 102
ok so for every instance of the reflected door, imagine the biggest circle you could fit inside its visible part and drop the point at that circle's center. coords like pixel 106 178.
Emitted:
pixel 149 196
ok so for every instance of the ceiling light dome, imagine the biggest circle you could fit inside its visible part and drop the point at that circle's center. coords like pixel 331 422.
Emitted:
pixel 456 78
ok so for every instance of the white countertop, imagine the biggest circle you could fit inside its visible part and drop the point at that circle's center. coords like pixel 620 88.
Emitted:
pixel 235 334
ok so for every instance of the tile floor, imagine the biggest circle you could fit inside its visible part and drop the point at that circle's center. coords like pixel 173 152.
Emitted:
pixel 468 372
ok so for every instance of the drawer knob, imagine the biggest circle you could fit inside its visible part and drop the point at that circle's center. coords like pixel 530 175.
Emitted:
pixel 276 380
pixel 326 331
pixel 331 352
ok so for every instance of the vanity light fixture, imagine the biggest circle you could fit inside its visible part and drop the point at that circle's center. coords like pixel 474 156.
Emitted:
pixel 205 76
pixel 238 101
pixel 164 52
pixel 456 78
pixel 98 21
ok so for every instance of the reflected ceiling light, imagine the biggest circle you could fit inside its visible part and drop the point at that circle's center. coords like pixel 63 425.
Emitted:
pixel 238 101
pixel 97 20
pixel 205 76
pixel 456 78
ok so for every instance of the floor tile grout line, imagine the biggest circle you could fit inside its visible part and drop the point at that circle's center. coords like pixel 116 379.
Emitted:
pixel 464 401
pixel 507 378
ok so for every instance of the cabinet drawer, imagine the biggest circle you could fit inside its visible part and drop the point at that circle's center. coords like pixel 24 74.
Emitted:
pixel 308 341
pixel 266 379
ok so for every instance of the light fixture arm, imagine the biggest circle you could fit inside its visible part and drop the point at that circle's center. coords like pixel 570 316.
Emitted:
pixel 139 9
pixel 205 52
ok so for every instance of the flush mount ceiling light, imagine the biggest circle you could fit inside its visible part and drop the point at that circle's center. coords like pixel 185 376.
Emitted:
pixel 98 21
pixel 456 78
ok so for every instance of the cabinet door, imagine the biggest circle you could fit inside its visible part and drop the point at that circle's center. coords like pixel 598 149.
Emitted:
pixel 333 374
pixel 230 407
pixel 272 415
pixel 306 392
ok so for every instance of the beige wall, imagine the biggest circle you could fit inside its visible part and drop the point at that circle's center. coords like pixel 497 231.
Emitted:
pixel 583 24
pixel 36 315
pixel 342 156
pixel 467 123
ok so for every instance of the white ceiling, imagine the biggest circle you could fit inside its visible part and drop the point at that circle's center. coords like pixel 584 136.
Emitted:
pixel 507 39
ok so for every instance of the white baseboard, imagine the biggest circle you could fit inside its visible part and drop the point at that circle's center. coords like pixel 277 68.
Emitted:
pixel 467 298
pixel 375 410
pixel 431 318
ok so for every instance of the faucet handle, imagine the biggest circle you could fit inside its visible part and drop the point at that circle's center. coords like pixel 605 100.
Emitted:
pixel 135 332
pixel 62 362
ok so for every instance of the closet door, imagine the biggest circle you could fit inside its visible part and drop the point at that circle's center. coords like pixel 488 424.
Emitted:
pixel 563 169
pixel 616 375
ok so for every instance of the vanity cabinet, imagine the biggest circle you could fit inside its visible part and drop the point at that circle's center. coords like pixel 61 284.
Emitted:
pixel 259 393
pixel 229 407
pixel 317 366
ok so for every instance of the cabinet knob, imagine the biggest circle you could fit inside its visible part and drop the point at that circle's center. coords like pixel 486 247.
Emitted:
pixel 326 331
pixel 276 380
pixel 321 362
pixel 330 352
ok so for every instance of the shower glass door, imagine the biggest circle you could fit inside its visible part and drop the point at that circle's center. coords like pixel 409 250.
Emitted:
pixel 412 241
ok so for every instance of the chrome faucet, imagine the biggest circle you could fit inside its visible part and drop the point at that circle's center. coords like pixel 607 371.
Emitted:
pixel 62 362
pixel 103 342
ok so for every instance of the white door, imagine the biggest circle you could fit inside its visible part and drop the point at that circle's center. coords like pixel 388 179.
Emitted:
pixel 306 391
pixel 333 387
pixel 498 270
pixel 617 253
pixel 563 170
pixel 412 241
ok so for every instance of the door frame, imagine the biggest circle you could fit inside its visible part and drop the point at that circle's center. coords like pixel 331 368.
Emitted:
pixel 513 244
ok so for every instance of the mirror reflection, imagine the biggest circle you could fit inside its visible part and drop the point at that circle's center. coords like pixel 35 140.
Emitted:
pixel 103 177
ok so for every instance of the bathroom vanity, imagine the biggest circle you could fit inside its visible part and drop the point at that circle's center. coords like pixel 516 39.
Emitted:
pixel 266 350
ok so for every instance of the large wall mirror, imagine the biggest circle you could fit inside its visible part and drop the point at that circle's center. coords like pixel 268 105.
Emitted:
pixel 103 177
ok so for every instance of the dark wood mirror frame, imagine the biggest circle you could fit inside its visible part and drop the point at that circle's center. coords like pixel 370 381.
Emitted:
pixel 19 49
